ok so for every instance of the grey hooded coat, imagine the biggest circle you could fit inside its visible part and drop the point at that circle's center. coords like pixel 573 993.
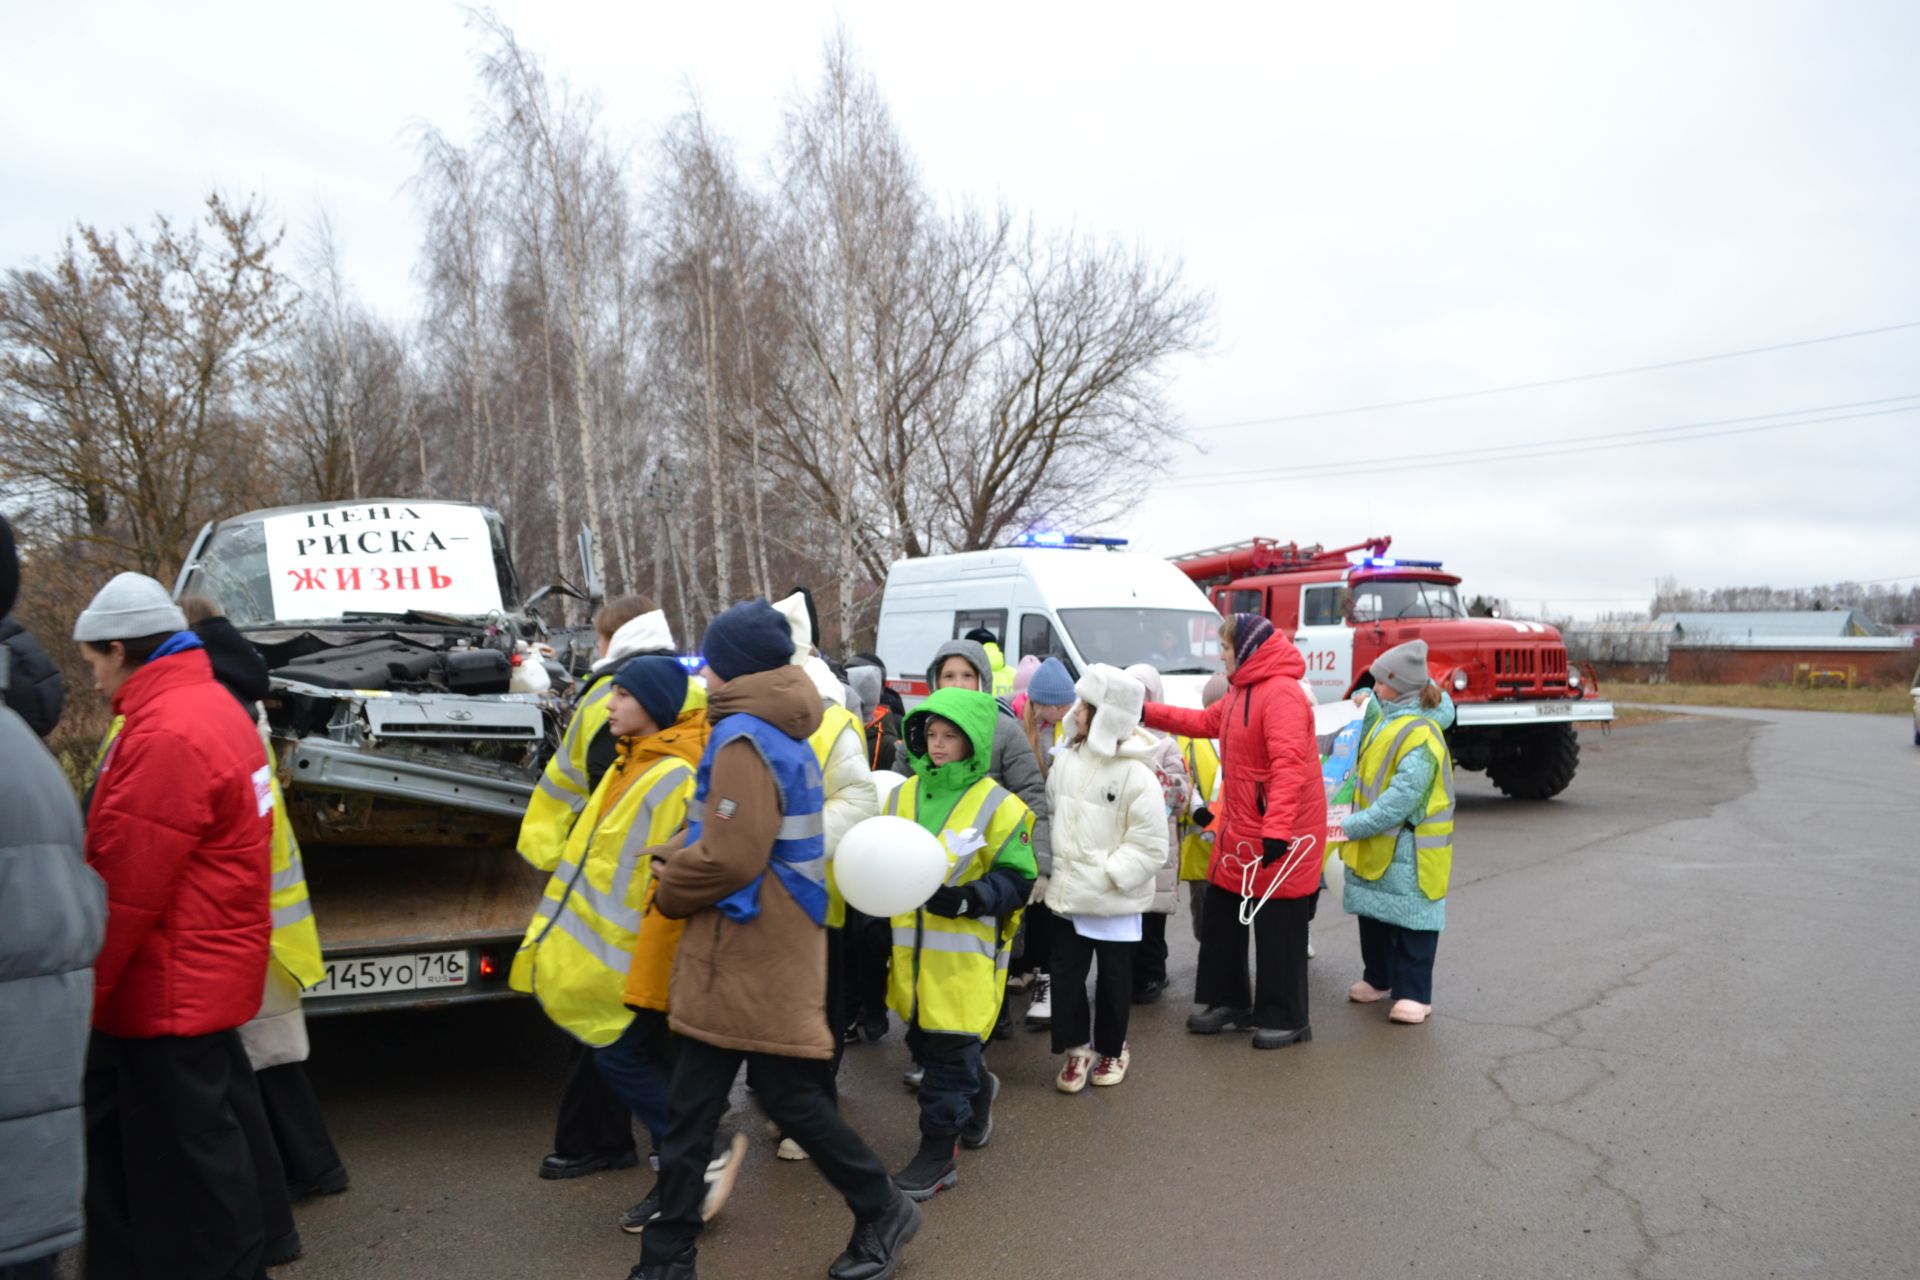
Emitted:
pixel 53 913
pixel 1012 763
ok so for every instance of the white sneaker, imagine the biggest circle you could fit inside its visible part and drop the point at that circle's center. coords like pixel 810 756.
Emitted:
pixel 1109 1071
pixel 1311 953
pixel 722 1172
pixel 790 1150
pixel 1040 1011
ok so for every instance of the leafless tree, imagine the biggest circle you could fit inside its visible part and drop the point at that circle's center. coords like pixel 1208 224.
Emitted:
pixel 128 377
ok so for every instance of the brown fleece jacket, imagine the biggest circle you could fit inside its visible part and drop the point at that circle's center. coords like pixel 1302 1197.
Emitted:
pixel 760 986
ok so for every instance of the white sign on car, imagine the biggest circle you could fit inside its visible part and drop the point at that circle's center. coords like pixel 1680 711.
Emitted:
pixel 381 557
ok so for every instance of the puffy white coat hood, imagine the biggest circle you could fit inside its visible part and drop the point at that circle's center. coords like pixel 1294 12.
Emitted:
pixel 1117 700
pixel 647 633
pixel 800 624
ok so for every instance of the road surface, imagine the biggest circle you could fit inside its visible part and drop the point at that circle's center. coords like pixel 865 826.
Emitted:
pixel 1676 1036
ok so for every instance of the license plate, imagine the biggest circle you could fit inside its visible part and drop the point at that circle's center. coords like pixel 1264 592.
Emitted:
pixel 369 975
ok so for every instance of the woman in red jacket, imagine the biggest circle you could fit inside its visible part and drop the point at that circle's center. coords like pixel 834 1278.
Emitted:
pixel 179 829
pixel 1272 799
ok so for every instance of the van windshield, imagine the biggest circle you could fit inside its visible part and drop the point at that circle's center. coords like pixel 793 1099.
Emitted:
pixel 1172 641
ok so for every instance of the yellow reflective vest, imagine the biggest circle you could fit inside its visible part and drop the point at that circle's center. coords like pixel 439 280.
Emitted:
pixel 1386 744
pixel 296 936
pixel 1196 842
pixel 1002 673
pixel 579 945
pixel 834 721
pixel 950 975
pixel 557 801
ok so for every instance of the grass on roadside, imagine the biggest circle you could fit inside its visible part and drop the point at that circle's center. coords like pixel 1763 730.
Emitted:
pixel 1772 697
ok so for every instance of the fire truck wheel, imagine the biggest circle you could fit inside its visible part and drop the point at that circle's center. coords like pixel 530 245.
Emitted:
pixel 1541 766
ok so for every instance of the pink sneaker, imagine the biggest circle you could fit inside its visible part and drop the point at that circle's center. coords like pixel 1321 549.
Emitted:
pixel 1410 1012
pixel 1362 993
pixel 1073 1072
pixel 1113 1070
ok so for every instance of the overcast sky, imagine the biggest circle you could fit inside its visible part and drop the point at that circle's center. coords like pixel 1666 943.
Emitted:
pixel 1388 202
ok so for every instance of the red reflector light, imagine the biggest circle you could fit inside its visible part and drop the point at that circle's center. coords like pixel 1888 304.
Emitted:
pixel 486 964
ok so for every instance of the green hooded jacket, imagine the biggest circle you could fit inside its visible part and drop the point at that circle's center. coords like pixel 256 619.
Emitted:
pixel 942 786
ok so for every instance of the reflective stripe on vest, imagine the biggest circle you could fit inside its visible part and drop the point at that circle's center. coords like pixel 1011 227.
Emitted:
pixel 798 858
pixel 579 945
pixel 948 975
pixel 1388 743
pixel 562 791
pixel 1196 843
pixel 834 721
pixel 296 936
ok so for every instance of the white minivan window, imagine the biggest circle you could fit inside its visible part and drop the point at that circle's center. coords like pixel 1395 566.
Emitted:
pixel 1173 641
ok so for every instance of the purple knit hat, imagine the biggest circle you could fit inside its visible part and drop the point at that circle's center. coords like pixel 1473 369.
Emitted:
pixel 1250 631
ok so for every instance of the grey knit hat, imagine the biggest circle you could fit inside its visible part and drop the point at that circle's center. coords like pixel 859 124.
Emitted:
pixel 1404 667
pixel 131 605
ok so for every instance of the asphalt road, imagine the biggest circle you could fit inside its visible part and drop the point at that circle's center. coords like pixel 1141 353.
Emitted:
pixel 1676 1036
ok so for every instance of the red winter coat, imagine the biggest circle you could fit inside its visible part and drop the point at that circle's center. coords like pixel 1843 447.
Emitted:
pixel 1270 767
pixel 181 830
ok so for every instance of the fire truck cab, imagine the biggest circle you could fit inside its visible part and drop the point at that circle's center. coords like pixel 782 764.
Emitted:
pixel 1516 698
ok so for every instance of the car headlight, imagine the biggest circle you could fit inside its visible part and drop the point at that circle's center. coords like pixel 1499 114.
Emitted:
pixel 1573 679
pixel 1460 681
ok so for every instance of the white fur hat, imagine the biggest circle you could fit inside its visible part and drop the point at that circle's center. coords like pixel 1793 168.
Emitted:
pixel 1117 700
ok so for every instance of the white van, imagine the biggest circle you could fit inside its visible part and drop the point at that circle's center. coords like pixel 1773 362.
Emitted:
pixel 1082 600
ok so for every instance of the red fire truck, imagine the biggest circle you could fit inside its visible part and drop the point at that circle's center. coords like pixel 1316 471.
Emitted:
pixel 1516 697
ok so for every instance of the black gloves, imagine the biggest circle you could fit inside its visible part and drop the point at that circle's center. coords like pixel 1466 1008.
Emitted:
pixel 1274 850
pixel 1203 817
pixel 954 903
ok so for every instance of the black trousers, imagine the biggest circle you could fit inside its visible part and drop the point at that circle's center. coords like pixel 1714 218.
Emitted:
pixel 593 1121
pixel 1197 900
pixel 955 1081
pixel 1039 924
pixel 1398 960
pixel 796 1095
pixel 1150 955
pixel 38 1269
pixel 173 1192
pixel 1104 1024
pixel 869 948
pixel 1278 996
pixel 838 1016
pixel 299 1126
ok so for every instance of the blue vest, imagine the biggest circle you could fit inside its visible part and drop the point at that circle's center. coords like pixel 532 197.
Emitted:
pixel 800 851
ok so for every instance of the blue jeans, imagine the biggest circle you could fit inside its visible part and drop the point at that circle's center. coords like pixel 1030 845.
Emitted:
pixel 639 1067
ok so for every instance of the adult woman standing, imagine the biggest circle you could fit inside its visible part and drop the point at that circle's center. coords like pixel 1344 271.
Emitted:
pixel 1272 800
pixel 1399 849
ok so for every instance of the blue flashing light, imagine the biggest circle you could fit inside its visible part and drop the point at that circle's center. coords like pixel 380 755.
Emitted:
pixel 693 662
pixel 1054 538
pixel 1381 562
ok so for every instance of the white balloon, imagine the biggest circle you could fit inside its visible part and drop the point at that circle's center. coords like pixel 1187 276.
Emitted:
pixel 887 866
pixel 886 780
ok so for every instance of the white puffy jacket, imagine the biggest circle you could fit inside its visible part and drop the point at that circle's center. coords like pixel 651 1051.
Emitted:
pixel 1175 787
pixel 1109 828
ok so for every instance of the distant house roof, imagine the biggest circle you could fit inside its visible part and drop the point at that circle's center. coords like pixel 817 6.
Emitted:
pixel 1649 642
pixel 1733 628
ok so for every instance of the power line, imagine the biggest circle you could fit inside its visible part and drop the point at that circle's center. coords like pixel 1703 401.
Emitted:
pixel 1491 452
pixel 1334 470
pixel 1548 448
pixel 1556 382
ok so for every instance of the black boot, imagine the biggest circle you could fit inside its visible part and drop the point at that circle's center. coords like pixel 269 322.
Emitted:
pixel 678 1269
pixel 1269 1038
pixel 980 1127
pixel 556 1165
pixel 931 1170
pixel 637 1219
pixel 874 1251
pixel 1217 1018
